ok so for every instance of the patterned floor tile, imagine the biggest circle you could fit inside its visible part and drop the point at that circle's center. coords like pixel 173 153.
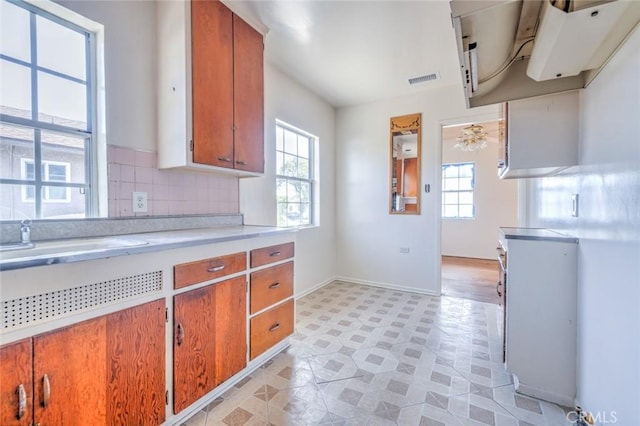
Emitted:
pixel 327 368
pixel 526 409
pixel 365 355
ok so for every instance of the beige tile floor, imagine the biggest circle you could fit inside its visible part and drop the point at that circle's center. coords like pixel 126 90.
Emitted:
pixel 371 356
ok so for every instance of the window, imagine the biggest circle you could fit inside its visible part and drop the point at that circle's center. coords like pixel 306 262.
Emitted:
pixel 458 182
pixel 47 144
pixel 294 176
pixel 51 171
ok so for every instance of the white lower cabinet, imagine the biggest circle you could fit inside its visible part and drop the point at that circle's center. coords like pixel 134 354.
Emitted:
pixel 541 314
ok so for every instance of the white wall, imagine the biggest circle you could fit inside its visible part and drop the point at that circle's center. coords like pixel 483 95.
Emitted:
pixel 368 237
pixel 496 202
pixel 608 181
pixel 130 68
pixel 315 246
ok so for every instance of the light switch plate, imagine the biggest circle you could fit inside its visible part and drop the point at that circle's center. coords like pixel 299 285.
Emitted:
pixel 139 202
pixel 575 205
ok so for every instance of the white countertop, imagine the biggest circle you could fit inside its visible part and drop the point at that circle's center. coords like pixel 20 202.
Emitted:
pixel 69 251
pixel 536 234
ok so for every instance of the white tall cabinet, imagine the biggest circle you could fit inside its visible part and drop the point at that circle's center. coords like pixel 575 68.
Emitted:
pixel 541 290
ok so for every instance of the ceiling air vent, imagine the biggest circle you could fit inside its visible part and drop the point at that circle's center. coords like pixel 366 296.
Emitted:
pixel 424 78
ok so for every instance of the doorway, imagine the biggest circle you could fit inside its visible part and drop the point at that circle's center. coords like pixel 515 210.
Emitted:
pixel 474 204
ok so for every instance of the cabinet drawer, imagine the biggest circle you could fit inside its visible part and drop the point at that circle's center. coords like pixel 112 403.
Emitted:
pixel 271 285
pixel 271 254
pixel 208 269
pixel 270 327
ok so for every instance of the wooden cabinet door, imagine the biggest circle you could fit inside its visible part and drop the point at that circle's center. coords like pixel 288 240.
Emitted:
pixel 69 368
pixel 193 346
pixel 248 87
pixel 136 365
pixel 231 328
pixel 16 371
pixel 212 80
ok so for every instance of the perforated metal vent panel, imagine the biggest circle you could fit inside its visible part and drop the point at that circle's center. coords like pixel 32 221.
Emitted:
pixel 32 309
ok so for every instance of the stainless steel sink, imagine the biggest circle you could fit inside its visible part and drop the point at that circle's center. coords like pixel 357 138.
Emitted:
pixel 67 247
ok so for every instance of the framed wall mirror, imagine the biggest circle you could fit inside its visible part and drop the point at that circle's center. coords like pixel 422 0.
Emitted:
pixel 405 141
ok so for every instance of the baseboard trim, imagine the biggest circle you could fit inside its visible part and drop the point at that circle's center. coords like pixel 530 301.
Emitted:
pixel 314 288
pixel 386 285
pixel 546 395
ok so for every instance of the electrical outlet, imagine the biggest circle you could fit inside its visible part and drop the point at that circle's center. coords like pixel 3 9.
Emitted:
pixel 139 202
pixel 404 249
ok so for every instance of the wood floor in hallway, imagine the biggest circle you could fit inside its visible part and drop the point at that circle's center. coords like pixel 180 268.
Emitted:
pixel 468 278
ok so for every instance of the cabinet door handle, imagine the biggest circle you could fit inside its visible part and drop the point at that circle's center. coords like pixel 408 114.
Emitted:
pixel 180 335
pixel 216 268
pixel 225 159
pixel 241 162
pixel 274 285
pixel 275 253
pixel 274 327
pixel 46 391
pixel 498 288
pixel 22 401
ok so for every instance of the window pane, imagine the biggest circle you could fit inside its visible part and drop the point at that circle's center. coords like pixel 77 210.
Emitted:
pixel 279 163
pixel 293 191
pixel 466 170
pixel 303 168
pixel 466 211
pixel 450 184
pixel 281 190
pixel 450 171
pixel 450 211
pixel 466 183
pixel 71 112
pixel 279 138
pixel 305 192
pixel 60 48
pixel 282 214
pixel 466 197
pixel 303 146
pixel 14 32
pixel 72 205
pixel 451 198
pixel 290 142
pixel 16 143
pixel 15 86
pixel 290 165
pixel 12 206
pixel 69 151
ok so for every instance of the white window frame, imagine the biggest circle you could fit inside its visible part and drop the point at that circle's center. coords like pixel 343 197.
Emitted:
pixel 95 185
pixel 459 191
pixel 311 180
pixel 46 195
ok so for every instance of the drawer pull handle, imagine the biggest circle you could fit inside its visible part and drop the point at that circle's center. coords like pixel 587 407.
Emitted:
pixel 46 391
pixel 274 285
pixel 274 327
pixel 498 288
pixel 242 163
pixel 216 268
pixel 22 401
pixel 225 159
pixel 275 253
pixel 180 334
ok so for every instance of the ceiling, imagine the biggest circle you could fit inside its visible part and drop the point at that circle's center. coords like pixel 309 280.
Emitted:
pixel 358 51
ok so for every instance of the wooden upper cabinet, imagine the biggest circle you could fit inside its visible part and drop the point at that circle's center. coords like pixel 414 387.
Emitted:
pixel 248 87
pixel 70 377
pixel 228 89
pixel 212 74
pixel 16 384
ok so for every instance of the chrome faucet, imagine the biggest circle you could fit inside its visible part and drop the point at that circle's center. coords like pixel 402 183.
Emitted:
pixel 25 231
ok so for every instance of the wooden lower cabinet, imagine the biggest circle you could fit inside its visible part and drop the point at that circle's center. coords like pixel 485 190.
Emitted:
pixel 16 383
pixel 209 344
pixel 136 381
pixel 90 373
